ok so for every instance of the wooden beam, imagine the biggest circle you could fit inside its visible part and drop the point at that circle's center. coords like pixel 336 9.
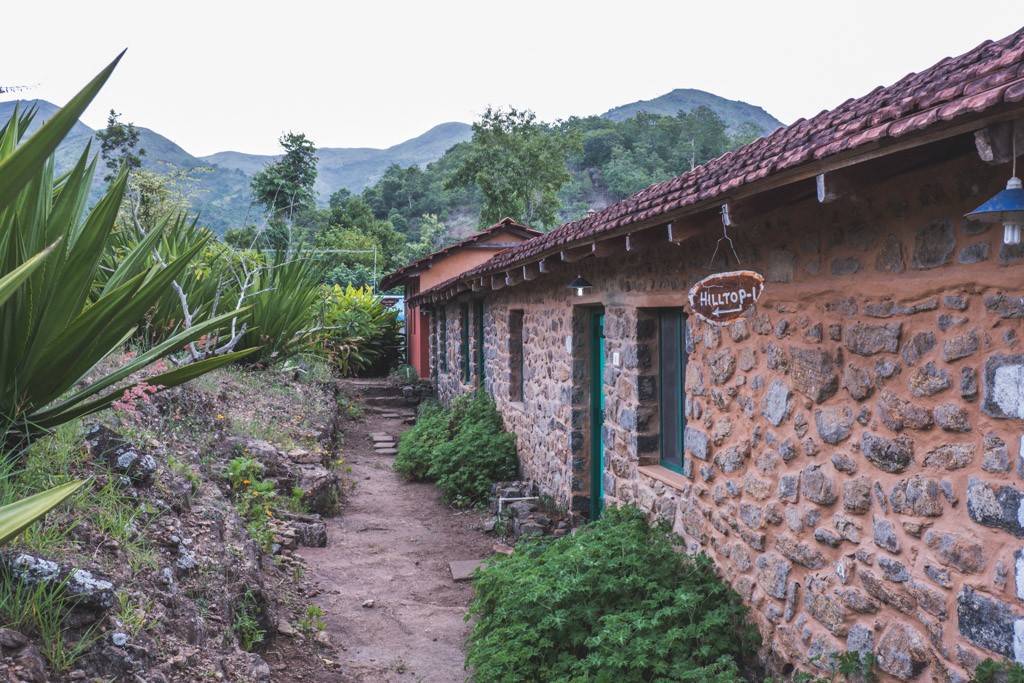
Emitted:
pixel 513 277
pixel 646 238
pixel 542 266
pixel 497 282
pixel 576 254
pixel 609 247
pixel 995 143
pixel 476 286
pixel 679 233
pixel 530 272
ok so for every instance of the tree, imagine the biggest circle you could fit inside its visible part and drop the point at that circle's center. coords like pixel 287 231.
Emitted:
pixel 118 142
pixel 286 186
pixel 518 166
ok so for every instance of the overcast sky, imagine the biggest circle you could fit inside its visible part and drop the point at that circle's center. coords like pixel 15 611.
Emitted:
pixel 230 75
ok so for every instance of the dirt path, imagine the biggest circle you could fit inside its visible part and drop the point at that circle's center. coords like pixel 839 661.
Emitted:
pixel 391 545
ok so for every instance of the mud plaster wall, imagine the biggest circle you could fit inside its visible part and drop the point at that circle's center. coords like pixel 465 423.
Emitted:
pixel 853 447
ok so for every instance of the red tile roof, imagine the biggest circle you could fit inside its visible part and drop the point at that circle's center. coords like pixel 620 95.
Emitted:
pixel 395 278
pixel 955 89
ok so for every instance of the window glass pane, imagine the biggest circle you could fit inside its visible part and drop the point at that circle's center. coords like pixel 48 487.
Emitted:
pixel 671 362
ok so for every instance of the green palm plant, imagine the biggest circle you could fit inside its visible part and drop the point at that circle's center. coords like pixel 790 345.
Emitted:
pixel 54 326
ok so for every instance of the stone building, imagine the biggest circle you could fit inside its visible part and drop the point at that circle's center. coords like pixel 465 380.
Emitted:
pixel 850 451
pixel 443 265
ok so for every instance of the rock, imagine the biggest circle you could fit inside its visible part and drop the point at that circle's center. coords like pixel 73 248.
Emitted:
pixel 902 652
pixel 844 463
pixel 827 537
pixel 952 417
pixel 799 552
pixel 884 535
pixel 322 487
pixel 893 571
pixel 846 265
pixel 933 245
pixel 995 458
pixel 973 253
pixel 995 506
pixel 772 574
pixel 960 551
pixel 883 592
pixel 988 622
pixel 824 607
pixel 918 345
pixel 951 457
pixel 776 406
pixel 928 599
pixel 789 488
pixel 311 535
pixel 889 258
pixel 88 590
pixel 968 384
pixel 857 382
pixel 833 423
pixel 814 373
pixel 1004 386
pixel 929 380
pixel 916 496
pixel 865 339
pixel 856 601
pixel 817 486
pixel 26 662
pixel 110 448
pixel 898 414
pixel 368 604
pixel 1005 306
pixel 889 455
pixel 860 640
pixel 857 495
pixel 284 628
pixel 722 366
pixel 960 347
pixel 781 266
pixel 696 443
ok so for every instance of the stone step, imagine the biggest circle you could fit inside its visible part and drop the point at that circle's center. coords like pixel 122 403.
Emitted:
pixel 387 451
pixel 389 401
pixel 462 570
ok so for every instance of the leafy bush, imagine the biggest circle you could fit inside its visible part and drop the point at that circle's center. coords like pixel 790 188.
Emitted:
pixel 613 602
pixel 463 448
pixel 416 447
pixel 365 337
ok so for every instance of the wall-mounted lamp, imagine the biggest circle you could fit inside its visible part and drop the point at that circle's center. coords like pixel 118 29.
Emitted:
pixel 580 285
pixel 1007 207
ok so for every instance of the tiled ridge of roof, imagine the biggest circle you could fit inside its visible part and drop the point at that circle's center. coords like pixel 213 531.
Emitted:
pixel 390 280
pixel 989 75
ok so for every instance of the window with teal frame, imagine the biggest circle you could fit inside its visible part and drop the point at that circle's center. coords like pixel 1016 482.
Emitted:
pixel 443 343
pixel 671 386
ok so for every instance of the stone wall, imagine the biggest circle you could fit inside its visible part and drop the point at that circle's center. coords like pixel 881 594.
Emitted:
pixel 853 446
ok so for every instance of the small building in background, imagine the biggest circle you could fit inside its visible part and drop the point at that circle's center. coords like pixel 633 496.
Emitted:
pixel 442 265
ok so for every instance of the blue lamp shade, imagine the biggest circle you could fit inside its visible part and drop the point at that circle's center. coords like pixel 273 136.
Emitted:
pixel 1007 208
pixel 580 285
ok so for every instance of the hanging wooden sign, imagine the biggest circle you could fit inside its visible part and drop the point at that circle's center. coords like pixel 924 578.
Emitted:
pixel 722 298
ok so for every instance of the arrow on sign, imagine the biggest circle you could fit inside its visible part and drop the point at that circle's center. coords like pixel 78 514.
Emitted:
pixel 719 311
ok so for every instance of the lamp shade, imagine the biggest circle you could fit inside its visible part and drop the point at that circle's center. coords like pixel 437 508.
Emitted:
pixel 1007 207
pixel 580 285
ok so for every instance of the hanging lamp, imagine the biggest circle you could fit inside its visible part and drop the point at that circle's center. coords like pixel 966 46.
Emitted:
pixel 1006 207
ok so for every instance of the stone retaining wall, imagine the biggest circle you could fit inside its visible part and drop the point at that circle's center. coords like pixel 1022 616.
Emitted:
pixel 853 446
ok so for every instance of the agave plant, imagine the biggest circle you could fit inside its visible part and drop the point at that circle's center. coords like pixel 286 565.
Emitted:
pixel 55 326
pixel 19 514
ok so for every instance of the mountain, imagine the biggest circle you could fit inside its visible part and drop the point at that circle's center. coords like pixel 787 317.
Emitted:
pixel 355 168
pixel 733 112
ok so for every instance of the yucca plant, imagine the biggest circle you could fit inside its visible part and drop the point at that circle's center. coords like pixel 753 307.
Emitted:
pixel 283 296
pixel 54 326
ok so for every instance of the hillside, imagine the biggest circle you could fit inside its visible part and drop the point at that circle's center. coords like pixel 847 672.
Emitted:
pixel 733 112
pixel 355 168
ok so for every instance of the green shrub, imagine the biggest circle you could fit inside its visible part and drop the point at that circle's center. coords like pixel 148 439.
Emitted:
pixel 416 447
pixel 613 602
pixel 365 337
pixel 1002 671
pixel 463 448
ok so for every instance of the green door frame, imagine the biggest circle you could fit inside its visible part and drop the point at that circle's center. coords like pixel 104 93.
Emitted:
pixel 596 412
